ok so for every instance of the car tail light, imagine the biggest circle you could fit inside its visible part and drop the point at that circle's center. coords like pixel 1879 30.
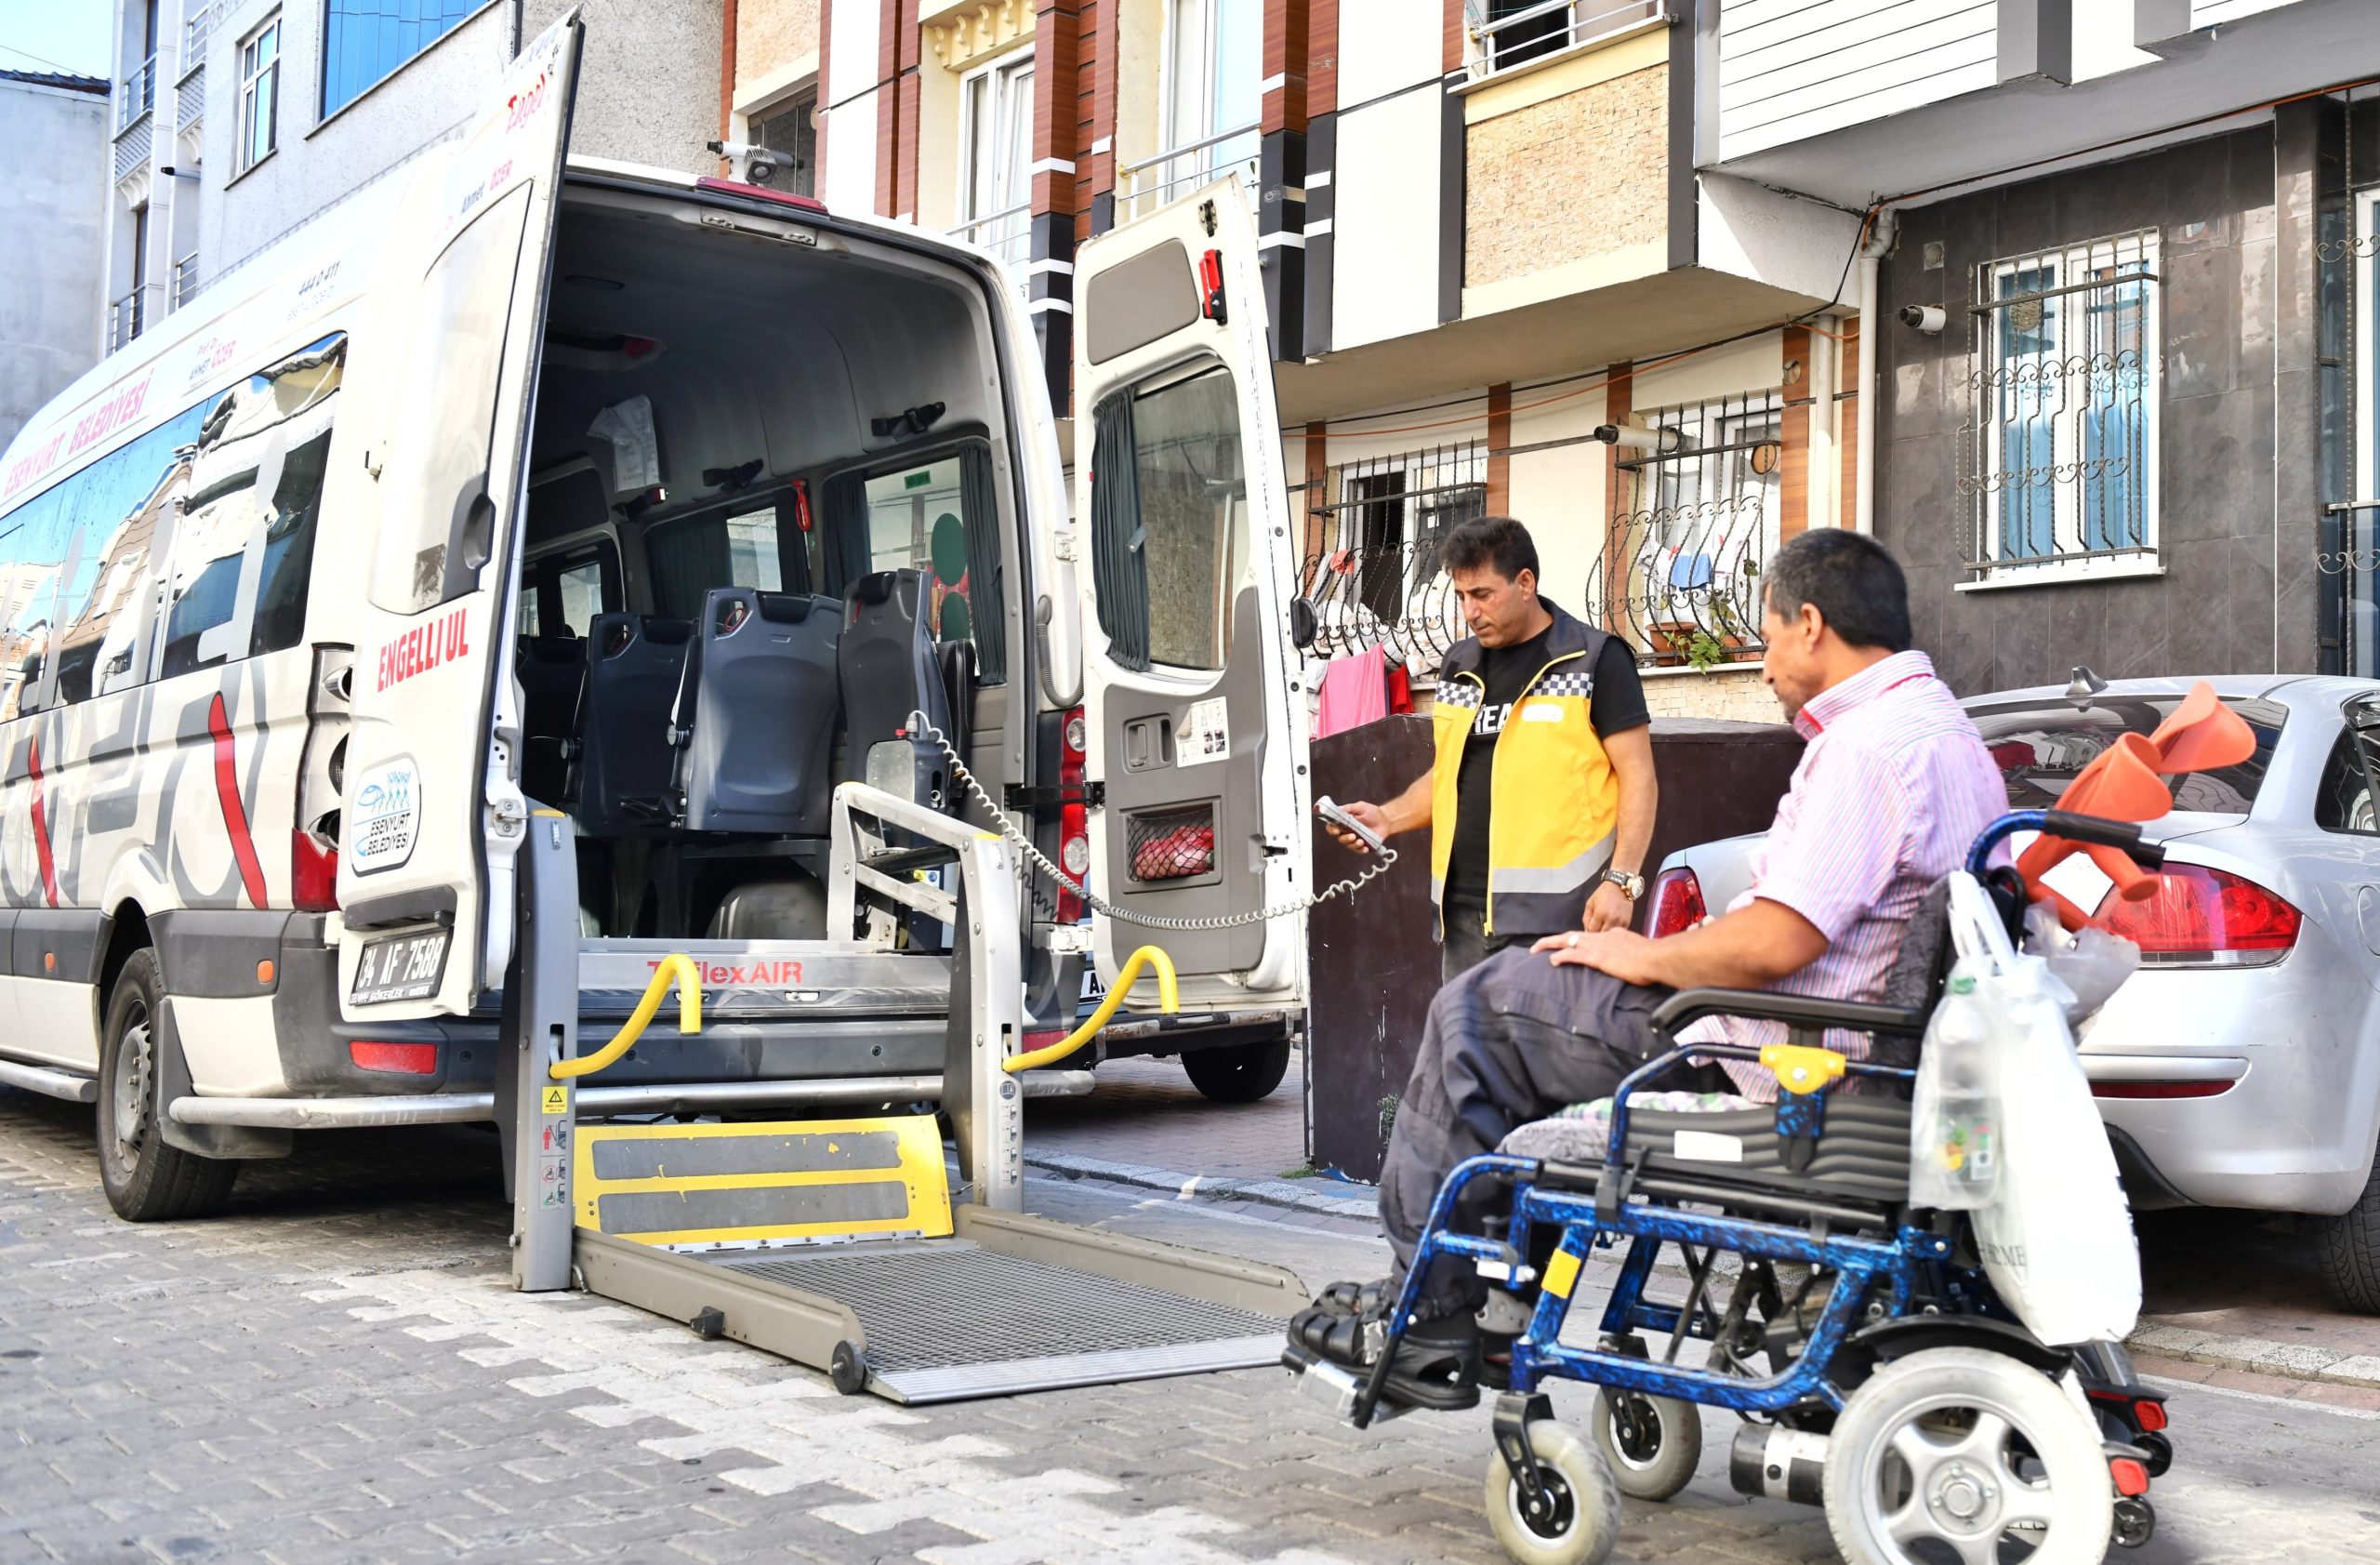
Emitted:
pixel 2159 1089
pixel 313 872
pixel 1677 901
pixel 2199 917
pixel 1074 818
pixel 409 1059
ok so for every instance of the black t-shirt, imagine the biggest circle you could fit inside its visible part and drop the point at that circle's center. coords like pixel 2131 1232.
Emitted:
pixel 1618 706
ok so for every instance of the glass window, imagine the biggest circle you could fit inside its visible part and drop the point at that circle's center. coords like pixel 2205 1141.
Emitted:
pixel 1214 88
pixel 792 134
pixel 996 154
pixel 366 40
pixel 752 550
pixel 581 587
pixel 2343 801
pixel 1183 542
pixel 692 556
pixel 259 96
pixel 918 520
pixel 2040 746
pixel 432 538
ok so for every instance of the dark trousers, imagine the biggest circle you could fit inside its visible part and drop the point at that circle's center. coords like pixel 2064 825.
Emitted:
pixel 1510 1041
pixel 1466 940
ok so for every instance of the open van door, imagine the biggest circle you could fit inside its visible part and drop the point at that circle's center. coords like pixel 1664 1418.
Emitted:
pixel 1193 731
pixel 431 819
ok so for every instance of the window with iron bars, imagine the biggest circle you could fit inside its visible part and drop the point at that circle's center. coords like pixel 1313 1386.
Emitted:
pixel 1693 523
pixel 1507 35
pixel 1371 571
pixel 2058 455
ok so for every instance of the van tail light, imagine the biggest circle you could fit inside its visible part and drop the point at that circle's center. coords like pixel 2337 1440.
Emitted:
pixel 1074 816
pixel 408 1059
pixel 2198 917
pixel 1677 901
pixel 313 872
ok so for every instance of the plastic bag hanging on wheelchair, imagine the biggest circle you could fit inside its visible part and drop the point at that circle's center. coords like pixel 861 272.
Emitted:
pixel 2056 1233
pixel 1954 1122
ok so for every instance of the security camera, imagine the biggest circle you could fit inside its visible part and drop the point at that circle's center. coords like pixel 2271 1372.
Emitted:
pixel 1927 318
pixel 760 165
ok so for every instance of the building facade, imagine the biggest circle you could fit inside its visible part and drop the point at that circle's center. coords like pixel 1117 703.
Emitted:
pixel 56 130
pixel 237 121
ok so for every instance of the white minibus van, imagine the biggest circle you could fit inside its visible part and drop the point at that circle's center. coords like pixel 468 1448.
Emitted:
pixel 530 482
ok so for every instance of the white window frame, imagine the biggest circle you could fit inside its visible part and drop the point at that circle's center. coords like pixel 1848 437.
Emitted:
pixel 2364 256
pixel 977 223
pixel 2074 346
pixel 1209 161
pixel 252 77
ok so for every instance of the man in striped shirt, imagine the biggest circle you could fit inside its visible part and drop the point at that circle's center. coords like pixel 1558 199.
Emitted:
pixel 1893 784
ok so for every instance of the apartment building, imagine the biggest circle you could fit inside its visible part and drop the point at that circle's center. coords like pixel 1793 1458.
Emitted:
pixel 55 129
pixel 2127 353
pixel 1485 240
pixel 237 121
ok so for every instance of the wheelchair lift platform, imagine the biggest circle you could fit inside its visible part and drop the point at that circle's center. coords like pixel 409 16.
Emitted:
pixel 837 1243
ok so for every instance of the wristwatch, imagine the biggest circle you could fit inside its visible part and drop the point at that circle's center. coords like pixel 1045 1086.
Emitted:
pixel 1631 886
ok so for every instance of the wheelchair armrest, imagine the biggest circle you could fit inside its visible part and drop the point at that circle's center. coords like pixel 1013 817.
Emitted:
pixel 1794 1009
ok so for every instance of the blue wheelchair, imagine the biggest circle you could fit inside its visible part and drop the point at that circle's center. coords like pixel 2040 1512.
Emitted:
pixel 1856 1336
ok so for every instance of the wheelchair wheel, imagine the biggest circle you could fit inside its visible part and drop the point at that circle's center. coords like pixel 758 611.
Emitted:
pixel 1585 1524
pixel 1945 1453
pixel 1653 1443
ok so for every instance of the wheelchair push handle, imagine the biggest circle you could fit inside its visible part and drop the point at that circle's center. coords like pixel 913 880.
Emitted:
pixel 2123 836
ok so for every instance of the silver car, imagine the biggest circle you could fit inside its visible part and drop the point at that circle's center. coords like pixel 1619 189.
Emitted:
pixel 2240 1067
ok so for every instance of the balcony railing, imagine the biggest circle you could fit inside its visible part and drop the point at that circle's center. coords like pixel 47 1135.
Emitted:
pixel 1505 42
pixel 1008 235
pixel 133 146
pixel 1152 183
pixel 189 99
pixel 185 280
pixel 196 28
pixel 136 96
pixel 124 318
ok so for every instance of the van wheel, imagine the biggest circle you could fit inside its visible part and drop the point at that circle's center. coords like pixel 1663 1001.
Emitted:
pixel 1241 1073
pixel 2350 1245
pixel 146 1180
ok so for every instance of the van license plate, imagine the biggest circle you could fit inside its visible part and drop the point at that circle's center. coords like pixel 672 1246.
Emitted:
pixel 400 967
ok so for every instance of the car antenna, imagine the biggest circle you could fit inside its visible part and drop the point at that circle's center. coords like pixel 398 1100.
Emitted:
pixel 2084 686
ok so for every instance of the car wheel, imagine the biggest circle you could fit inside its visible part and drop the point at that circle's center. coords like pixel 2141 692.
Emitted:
pixel 146 1180
pixel 2350 1246
pixel 1240 1073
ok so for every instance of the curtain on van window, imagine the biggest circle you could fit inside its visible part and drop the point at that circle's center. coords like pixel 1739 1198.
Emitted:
pixel 980 504
pixel 688 561
pixel 1118 542
pixel 844 499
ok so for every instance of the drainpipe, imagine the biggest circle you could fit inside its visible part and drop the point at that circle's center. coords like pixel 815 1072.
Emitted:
pixel 1820 508
pixel 1881 234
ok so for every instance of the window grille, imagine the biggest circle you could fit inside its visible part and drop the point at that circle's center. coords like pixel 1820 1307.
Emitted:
pixel 1371 571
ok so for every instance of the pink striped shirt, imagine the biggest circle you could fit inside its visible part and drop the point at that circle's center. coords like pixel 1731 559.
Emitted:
pixel 1894 786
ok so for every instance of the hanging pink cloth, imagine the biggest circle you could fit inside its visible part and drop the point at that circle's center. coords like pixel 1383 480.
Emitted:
pixel 1354 691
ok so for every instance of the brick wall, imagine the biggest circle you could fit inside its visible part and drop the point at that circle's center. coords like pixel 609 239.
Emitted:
pixel 1576 176
pixel 772 34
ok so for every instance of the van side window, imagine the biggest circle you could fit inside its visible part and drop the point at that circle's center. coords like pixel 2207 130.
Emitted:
pixel 244 549
pixel 560 594
pixel 729 549
pixel 941 517
pixel 1169 521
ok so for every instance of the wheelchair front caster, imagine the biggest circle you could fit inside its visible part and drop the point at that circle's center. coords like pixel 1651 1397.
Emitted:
pixel 2135 1521
pixel 1653 1443
pixel 1580 1524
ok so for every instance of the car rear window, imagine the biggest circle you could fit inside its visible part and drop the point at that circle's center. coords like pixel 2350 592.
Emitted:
pixel 2039 746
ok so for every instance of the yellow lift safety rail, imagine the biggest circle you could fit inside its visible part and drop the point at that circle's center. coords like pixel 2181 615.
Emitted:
pixel 1169 995
pixel 690 1016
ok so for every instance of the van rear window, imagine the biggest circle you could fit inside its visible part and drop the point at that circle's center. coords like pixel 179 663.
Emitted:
pixel 2039 746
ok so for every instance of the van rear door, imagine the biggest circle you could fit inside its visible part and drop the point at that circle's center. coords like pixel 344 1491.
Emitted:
pixel 432 817
pixel 1193 728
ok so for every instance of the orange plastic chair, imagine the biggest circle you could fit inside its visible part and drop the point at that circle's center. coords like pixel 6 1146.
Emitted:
pixel 2125 782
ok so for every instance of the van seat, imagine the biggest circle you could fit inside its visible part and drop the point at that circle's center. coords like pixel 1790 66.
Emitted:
pixel 755 714
pixel 889 668
pixel 551 670
pixel 635 663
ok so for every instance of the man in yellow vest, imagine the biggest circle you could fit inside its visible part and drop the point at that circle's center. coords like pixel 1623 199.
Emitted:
pixel 1540 802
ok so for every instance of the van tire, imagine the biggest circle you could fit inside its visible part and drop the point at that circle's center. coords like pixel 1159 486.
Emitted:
pixel 146 1181
pixel 1238 1073
pixel 2350 1250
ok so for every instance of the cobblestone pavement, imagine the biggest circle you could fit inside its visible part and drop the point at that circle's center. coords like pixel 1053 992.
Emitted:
pixel 336 1372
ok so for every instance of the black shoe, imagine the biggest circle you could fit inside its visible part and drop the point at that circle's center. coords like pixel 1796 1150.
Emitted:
pixel 1435 1363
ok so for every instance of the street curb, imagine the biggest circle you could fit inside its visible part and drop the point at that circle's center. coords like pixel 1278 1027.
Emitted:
pixel 1199 1187
pixel 2288 1361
